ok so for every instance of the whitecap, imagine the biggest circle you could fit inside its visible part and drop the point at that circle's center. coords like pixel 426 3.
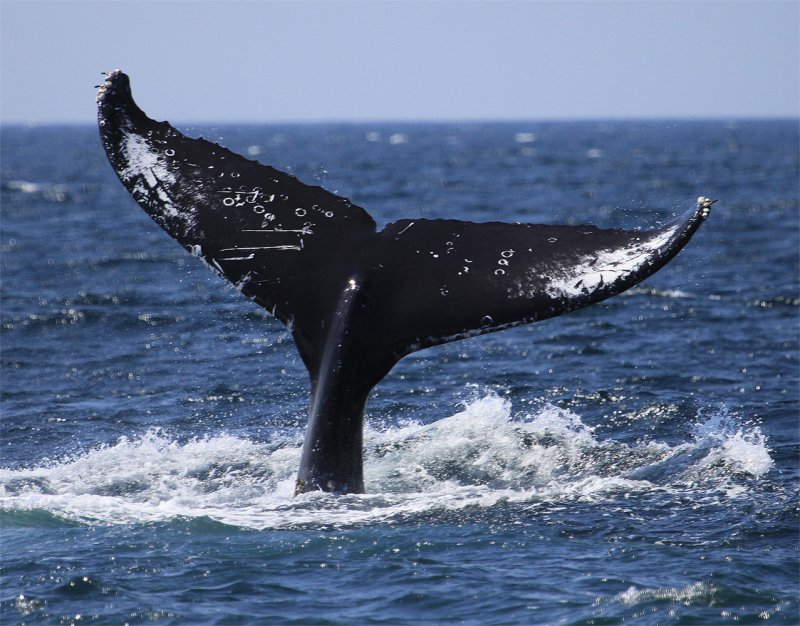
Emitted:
pixel 24 186
pixel 525 137
pixel 690 594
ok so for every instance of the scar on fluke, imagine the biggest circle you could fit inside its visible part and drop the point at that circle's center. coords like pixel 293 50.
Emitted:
pixel 357 299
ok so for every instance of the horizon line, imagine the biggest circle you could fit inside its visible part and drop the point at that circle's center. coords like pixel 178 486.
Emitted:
pixel 430 121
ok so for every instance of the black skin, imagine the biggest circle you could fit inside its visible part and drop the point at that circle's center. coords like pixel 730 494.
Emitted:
pixel 357 299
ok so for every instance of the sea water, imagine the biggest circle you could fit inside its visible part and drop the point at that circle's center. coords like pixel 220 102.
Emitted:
pixel 633 462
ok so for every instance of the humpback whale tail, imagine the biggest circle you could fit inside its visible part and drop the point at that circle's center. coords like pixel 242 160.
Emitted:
pixel 357 299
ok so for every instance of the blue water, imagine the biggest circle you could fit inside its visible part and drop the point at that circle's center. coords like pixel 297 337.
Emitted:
pixel 634 462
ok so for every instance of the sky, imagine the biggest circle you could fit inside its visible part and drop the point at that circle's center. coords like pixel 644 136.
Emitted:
pixel 308 61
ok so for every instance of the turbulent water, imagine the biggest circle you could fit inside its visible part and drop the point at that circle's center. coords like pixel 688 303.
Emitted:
pixel 634 462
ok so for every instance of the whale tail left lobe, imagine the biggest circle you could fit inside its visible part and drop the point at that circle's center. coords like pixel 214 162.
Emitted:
pixel 358 300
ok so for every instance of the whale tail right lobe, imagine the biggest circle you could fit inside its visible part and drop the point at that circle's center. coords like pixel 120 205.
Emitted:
pixel 358 300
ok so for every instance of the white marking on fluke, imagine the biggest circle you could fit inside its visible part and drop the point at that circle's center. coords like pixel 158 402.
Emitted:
pixel 405 229
pixel 596 271
pixel 148 173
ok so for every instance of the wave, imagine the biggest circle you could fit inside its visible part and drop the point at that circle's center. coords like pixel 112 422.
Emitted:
pixel 478 457
pixel 698 594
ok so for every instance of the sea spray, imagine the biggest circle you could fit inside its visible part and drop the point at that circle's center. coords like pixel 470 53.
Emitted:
pixel 479 456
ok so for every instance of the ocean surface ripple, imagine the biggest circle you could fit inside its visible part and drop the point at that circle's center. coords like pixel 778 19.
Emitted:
pixel 634 462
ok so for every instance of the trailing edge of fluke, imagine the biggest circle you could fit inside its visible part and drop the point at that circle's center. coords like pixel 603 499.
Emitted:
pixel 355 298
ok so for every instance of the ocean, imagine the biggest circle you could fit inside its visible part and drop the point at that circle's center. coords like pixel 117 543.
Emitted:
pixel 633 462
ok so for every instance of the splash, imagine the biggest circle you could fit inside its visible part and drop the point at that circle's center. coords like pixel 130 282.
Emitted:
pixel 733 448
pixel 478 457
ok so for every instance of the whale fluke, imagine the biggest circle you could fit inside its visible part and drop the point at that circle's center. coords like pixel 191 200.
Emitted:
pixel 357 299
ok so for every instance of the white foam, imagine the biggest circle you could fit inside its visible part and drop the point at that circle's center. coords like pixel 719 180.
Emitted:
pixel 24 186
pixel 50 191
pixel 677 294
pixel 683 595
pixel 477 457
pixel 525 137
